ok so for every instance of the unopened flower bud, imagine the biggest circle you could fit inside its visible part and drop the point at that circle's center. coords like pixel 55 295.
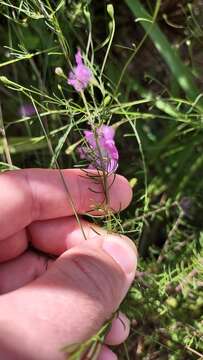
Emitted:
pixel 59 71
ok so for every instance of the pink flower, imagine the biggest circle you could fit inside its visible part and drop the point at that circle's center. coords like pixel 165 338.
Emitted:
pixel 101 152
pixel 81 75
pixel 26 110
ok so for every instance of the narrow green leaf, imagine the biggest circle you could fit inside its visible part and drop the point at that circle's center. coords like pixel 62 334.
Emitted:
pixel 180 71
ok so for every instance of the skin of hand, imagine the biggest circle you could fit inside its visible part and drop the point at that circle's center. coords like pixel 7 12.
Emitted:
pixel 62 289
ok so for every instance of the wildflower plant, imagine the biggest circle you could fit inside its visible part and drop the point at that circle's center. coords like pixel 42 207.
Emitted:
pixel 77 97
pixel 99 148
pixel 81 75
pixel 102 152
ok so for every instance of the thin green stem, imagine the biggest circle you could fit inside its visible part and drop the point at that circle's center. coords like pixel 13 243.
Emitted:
pixel 70 199
pixel 5 142
pixel 135 51
pixel 112 32
pixel 180 71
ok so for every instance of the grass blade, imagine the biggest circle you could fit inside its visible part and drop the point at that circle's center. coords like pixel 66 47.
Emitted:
pixel 180 71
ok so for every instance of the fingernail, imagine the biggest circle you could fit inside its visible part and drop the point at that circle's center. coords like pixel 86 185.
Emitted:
pixel 122 250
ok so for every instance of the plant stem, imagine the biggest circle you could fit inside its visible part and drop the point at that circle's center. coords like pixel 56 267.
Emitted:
pixel 180 71
pixel 5 142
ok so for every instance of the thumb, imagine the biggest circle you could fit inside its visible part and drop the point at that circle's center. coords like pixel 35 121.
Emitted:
pixel 70 302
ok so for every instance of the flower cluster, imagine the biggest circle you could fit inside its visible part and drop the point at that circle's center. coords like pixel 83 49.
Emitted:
pixel 81 75
pixel 101 151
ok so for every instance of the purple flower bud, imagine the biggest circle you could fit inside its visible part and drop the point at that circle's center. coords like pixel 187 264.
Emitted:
pixel 26 110
pixel 101 152
pixel 81 75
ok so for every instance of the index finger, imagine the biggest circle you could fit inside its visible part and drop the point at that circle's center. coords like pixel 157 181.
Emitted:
pixel 39 194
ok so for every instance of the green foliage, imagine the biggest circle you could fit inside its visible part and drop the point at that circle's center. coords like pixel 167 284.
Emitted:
pixel 156 110
pixel 170 55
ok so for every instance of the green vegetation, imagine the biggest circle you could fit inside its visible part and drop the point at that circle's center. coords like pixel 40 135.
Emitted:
pixel 154 101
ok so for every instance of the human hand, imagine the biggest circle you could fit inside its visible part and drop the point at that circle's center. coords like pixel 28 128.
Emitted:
pixel 48 303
